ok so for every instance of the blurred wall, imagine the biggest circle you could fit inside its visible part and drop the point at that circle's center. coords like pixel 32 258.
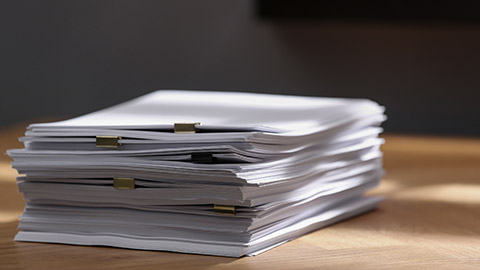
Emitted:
pixel 66 58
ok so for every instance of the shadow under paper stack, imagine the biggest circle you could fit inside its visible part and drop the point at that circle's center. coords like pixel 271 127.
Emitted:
pixel 216 173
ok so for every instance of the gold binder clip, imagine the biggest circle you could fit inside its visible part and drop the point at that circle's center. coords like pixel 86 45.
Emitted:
pixel 185 127
pixel 224 209
pixel 108 141
pixel 123 183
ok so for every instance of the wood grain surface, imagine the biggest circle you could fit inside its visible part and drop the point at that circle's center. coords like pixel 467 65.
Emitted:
pixel 429 220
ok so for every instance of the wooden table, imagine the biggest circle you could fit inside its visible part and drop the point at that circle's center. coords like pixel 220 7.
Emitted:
pixel 429 220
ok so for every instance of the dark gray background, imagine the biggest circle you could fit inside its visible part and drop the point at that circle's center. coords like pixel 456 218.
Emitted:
pixel 66 58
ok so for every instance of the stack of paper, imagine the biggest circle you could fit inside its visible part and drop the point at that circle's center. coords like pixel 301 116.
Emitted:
pixel 216 173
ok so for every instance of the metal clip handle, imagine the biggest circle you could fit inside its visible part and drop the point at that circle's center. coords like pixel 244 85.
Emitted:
pixel 108 141
pixel 123 183
pixel 187 128
pixel 224 209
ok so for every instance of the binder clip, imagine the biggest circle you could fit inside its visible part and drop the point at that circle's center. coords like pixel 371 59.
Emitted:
pixel 123 183
pixel 228 210
pixel 186 128
pixel 203 158
pixel 108 141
